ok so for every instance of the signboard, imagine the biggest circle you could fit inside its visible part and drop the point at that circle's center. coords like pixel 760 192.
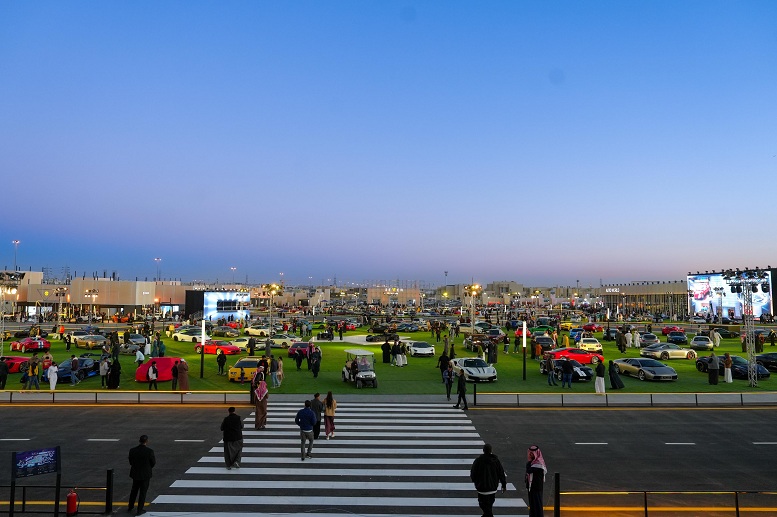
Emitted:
pixel 711 294
pixel 33 463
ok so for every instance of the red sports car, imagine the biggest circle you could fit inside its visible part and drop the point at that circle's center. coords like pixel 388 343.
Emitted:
pixel 519 332
pixel 30 344
pixel 164 366
pixel 233 324
pixel 593 327
pixel 16 363
pixel 671 328
pixel 578 354
pixel 212 347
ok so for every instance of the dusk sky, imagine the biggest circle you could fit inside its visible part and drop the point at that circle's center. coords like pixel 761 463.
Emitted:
pixel 537 141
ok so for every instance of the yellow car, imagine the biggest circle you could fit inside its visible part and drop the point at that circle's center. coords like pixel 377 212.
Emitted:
pixel 567 325
pixel 248 365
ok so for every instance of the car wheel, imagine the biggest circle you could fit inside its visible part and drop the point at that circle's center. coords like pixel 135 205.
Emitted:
pixel 358 383
pixel 198 349
pixel 641 375
pixel 23 367
pixel 175 338
pixel 375 383
pixel 559 375
pixel 701 366
pixel 594 360
pixel 664 356
pixel 691 355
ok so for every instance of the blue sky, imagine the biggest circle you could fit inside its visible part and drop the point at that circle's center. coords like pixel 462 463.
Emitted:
pixel 542 142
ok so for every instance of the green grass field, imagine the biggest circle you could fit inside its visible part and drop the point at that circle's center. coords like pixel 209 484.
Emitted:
pixel 420 376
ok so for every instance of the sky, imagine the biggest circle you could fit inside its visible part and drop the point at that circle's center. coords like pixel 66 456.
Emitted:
pixel 545 142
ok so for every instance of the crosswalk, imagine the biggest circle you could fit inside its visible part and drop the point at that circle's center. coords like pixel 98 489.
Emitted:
pixel 390 460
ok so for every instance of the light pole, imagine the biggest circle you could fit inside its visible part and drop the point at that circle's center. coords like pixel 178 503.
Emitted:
pixel 272 290
pixel 93 294
pixel 720 292
pixel 473 291
pixel 60 292
pixel 157 260
pixel 8 285
pixel 233 268
pixel 15 243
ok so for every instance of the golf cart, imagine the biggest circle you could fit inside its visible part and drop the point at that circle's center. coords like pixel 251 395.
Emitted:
pixel 360 368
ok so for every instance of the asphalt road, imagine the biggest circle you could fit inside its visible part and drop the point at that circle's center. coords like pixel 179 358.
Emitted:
pixel 592 449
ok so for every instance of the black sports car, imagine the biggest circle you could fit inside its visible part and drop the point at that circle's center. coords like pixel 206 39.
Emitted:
pixel 87 367
pixel 380 338
pixel 767 360
pixel 738 369
pixel 579 373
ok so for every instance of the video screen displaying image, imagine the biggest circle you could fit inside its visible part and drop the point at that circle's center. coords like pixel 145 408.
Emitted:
pixel 222 304
pixel 710 294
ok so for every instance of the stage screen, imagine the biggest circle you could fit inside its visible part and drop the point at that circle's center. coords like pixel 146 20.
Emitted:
pixel 704 299
pixel 222 304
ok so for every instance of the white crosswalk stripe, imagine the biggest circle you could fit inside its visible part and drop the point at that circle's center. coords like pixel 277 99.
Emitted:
pixel 417 464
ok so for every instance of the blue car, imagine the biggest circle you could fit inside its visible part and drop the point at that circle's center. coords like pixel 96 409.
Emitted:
pixel 575 333
pixel 87 367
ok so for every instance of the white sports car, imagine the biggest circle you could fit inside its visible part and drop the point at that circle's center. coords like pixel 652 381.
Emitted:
pixel 415 348
pixel 474 369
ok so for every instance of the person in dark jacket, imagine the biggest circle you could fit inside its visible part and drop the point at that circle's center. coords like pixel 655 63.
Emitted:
pixel 567 369
pixel 487 473
pixel 232 427
pixel 386 348
pixel 306 420
pixel 142 461
pixel 318 408
pixel 615 379
pixel 461 389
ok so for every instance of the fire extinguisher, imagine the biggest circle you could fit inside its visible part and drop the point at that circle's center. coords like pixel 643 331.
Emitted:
pixel 72 503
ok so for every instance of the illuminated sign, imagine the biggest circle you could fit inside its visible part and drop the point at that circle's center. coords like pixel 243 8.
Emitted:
pixel 33 463
pixel 710 294
pixel 612 290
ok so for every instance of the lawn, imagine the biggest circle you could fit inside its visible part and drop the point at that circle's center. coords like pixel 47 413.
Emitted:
pixel 420 376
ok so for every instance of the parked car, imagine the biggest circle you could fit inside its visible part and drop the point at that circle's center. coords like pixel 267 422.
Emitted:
pixel 192 335
pixel 702 343
pixel 546 342
pixel 767 360
pixel 677 337
pixel 212 347
pixel 724 333
pixel 579 373
pixel 671 328
pixel 380 338
pixel 16 363
pixel 298 348
pixel 739 367
pixel 578 354
pixel 415 348
pixel 164 366
pixel 593 327
pixel 609 334
pixel 519 331
pixel 666 351
pixel 645 369
pixel 647 339
pixel 474 369
pixel 138 339
pixel 224 331
pixel 575 332
pixel 87 367
pixel 257 330
pixel 360 368
pixel 590 344
pixel 30 344
pixel 32 331
pixel 92 341
pixel 129 348
pixel 283 340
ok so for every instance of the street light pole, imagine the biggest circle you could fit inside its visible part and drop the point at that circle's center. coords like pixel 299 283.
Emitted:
pixel 157 260
pixel 15 243
pixel 233 268
pixel 93 294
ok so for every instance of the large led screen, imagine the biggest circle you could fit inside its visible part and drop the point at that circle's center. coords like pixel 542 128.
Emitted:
pixel 708 293
pixel 222 304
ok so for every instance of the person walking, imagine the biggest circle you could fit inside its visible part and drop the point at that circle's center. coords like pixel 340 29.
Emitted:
pixel 727 364
pixel 330 407
pixel 461 389
pixel 153 375
pixel 550 365
pixel 261 394
pixel 232 428
pixel 447 378
pixel 615 379
pixel 104 366
pixel 33 373
pixel 487 473
pixel 442 363
pixel 183 375
pixel 274 371
pixel 74 370
pixel 306 419
pixel 599 383
pixel 53 373
pixel 713 368
pixel 535 480
pixel 142 462
pixel 318 408
pixel 315 362
pixel 139 357
pixel 280 371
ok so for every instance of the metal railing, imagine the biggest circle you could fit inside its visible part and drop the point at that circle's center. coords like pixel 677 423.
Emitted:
pixel 53 507
pixel 648 496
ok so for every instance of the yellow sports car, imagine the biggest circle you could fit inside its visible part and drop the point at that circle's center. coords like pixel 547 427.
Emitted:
pixel 566 325
pixel 246 365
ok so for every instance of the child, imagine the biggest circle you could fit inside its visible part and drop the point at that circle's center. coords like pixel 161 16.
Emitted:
pixel 242 375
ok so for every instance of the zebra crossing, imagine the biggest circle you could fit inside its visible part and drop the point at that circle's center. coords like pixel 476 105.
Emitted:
pixel 390 460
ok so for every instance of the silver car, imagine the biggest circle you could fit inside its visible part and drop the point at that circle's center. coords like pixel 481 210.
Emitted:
pixel 645 369
pixel 666 351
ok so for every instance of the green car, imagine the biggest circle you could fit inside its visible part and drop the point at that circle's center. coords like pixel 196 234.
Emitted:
pixel 542 329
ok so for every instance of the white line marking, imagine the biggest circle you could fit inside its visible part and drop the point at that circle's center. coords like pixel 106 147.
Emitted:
pixel 320 485
pixel 381 443
pixel 319 448
pixel 591 443
pixel 14 439
pixel 463 462
pixel 317 473
pixel 302 500
pixel 764 443
pixel 192 441
pixel 102 439
pixel 680 443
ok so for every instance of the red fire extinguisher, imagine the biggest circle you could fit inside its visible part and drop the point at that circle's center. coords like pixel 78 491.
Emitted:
pixel 72 503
